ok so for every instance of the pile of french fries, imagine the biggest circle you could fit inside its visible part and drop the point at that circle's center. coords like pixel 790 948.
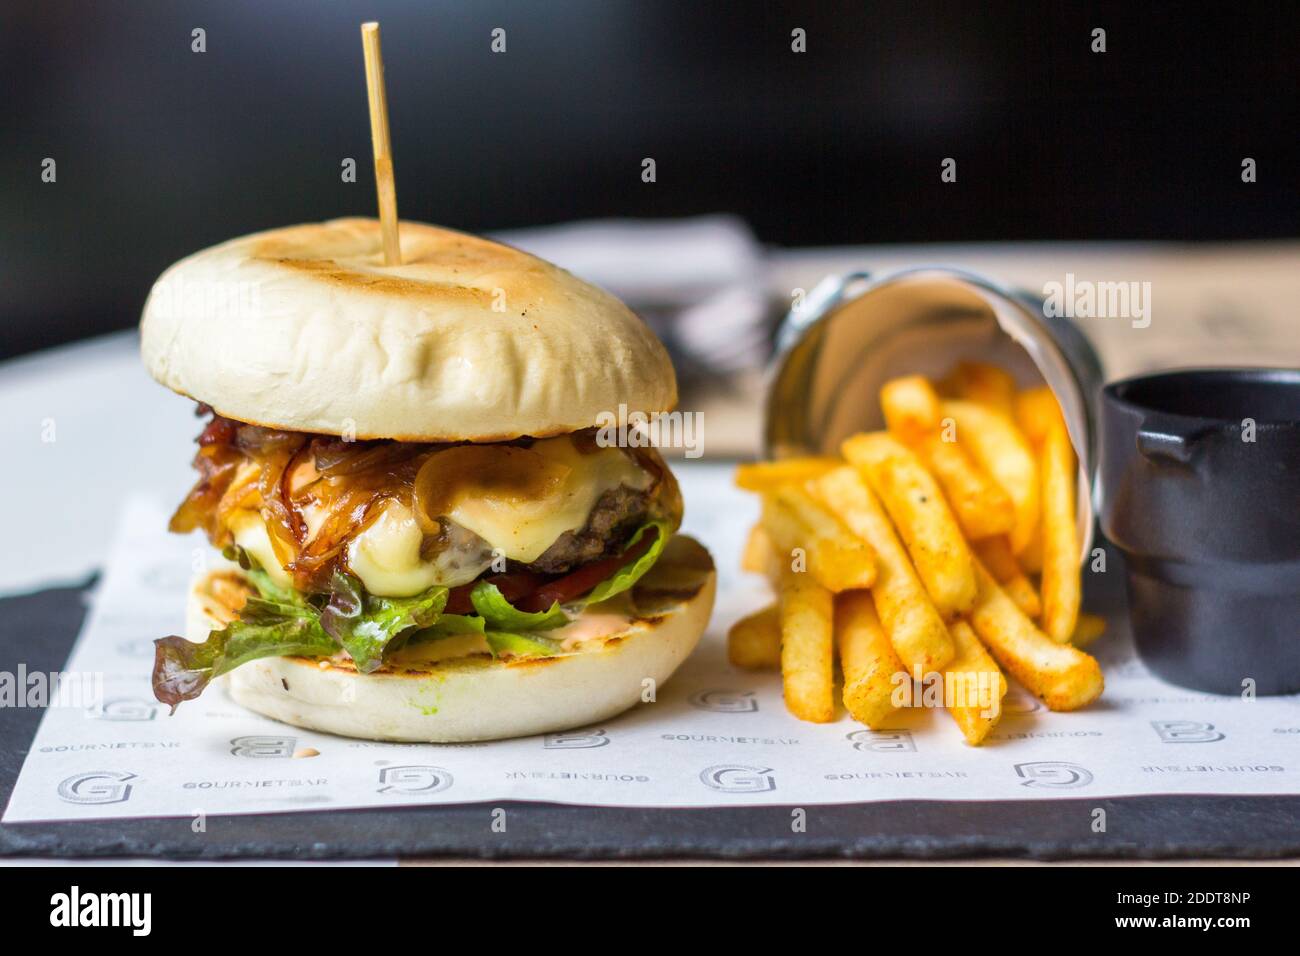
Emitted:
pixel 936 553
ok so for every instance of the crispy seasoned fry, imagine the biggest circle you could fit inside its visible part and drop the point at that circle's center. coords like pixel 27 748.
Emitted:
pixel 986 384
pixel 921 515
pixel 973 685
pixel 914 626
pixel 911 408
pixel 867 659
pixel 1005 456
pixel 807 654
pixel 770 475
pixel 913 416
pixel 837 558
pixel 1036 409
pixel 1063 676
pixel 758 553
pixel 1061 584
pixel 939 519
pixel 754 642
pixel 981 506
pixel 1089 628
pixel 1031 559
pixel 997 557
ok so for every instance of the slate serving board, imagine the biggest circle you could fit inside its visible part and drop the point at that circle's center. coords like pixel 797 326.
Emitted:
pixel 38 629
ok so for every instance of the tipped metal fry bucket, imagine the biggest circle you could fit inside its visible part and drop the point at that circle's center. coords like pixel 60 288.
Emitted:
pixel 853 333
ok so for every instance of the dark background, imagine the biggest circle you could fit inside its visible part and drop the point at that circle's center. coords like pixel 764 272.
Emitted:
pixel 162 151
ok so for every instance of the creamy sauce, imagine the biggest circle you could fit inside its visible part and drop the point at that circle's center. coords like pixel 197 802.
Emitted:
pixel 587 627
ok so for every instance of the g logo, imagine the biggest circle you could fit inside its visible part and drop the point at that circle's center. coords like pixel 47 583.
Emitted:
pixel 124 708
pixel 725 701
pixel 883 741
pixel 1186 732
pixel 734 778
pixel 97 786
pixel 262 746
pixel 1054 775
pixel 413 779
pixel 573 741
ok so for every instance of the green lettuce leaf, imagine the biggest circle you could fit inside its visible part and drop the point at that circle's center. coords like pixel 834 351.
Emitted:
pixel 365 625
pixel 259 578
pixel 504 617
pixel 629 574
pixel 265 628
pixel 501 615
pixel 281 622
pixel 449 625
pixel 506 644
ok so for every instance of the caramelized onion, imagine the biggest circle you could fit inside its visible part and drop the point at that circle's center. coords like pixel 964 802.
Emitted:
pixel 283 525
pixel 344 487
pixel 337 459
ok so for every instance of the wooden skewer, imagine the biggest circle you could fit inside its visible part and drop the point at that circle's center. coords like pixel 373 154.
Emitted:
pixel 384 183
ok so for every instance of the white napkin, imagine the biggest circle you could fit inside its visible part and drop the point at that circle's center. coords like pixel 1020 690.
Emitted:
pixel 698 282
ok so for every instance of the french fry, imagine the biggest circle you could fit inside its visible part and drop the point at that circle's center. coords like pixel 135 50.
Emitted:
pixel 973 686
pixel 913 416
pixel 927 526
pixel 867 659
pixel 915 530
pixel 915 628
pixel 807 649
pixel 837 558
pixel 1064 677
pixel 1031 559
pixel 1061 585
pixel 989 385
pixel 758 553
pixel 1036 409
pixel 754 642
pixel 1089 628
pixel 981 506
pixel 911 408
pixel 1001 563
pixel 764 476
pixel 998 447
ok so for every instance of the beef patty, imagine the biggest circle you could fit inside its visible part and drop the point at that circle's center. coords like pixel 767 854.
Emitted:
pixel 617 513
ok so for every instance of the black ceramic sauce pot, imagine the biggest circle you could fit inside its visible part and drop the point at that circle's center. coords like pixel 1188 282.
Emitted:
pixel 1208 521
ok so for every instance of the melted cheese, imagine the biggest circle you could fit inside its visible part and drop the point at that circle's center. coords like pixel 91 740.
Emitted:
pixel 251 535
pixel 386 556
pixel 523 530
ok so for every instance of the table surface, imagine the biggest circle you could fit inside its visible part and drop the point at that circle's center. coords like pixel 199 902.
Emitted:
pixel 84 426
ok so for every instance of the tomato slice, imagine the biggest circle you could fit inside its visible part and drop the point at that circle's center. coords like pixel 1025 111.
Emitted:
pixel 579 582
pixel 513 585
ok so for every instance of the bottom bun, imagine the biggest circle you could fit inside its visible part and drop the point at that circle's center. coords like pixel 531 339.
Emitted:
pixel 473 696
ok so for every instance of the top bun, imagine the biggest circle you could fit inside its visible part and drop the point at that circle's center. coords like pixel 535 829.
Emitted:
pixel 304 328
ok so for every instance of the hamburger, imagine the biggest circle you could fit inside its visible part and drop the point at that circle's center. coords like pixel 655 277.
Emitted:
pixel 425 534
